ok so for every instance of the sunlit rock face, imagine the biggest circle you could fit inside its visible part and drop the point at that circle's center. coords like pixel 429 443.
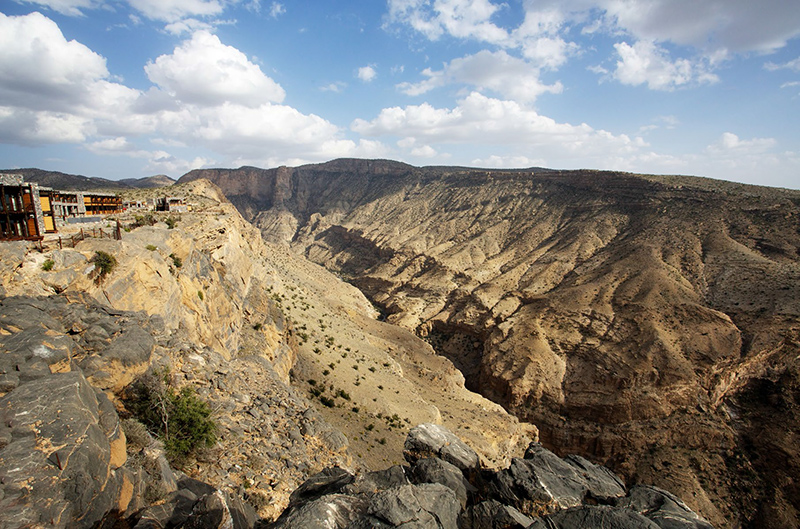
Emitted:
pixel 645 322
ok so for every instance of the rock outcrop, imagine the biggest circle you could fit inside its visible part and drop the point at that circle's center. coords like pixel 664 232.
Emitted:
pixel 548 493
pixel 644 322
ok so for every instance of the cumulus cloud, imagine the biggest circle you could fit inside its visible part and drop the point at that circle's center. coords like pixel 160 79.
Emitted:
pixel 457 18
pixel 707 33
pixel 487 121
pixel 730 144
pixel 646 63
pixel 500 72
pixel 367 73
pixel 206 94
pixel 40 69
pixel 205 71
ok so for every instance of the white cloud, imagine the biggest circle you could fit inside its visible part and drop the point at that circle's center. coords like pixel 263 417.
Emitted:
pixel 793 65
pixel 367 74
pixel 67 7
pixel 205 71
pixel 481 120
pixel 187 25
pixel 509 162
pixel 468 19
pixel 645 62
pixel 208 95
pixel 276 9
pixel 176 10
pixel 337 87
pixel 40 69
pixel 506 75
pixel 729 144
pixel 712 30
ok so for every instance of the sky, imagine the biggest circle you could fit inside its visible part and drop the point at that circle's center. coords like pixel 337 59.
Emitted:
pixel 132 88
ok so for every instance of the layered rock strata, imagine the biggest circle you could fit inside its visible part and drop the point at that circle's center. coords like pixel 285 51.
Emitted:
pixel 645 322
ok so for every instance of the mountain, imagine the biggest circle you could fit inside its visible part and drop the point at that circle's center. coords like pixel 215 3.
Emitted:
pixel 193 324
pixel 67 182
pixel 645 322
pixel 148 182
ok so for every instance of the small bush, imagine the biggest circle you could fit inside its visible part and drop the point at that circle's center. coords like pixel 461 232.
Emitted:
pixel 176 261
pixel 48 265
pixel 104 263
pixel 151 247
pixel 171 222
pixel 179 418
pixel 200 295
pixel 327 401
pixel 144 220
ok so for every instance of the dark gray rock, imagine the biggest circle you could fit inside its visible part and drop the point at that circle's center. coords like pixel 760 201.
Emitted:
pixel 56 468
pixel 173 512
pixel 544 483
pixel 372 482
pixel 492 514
pixel 429 505
pixel 434 470
pixel 432 440
pixel 220 510
pixel 334 511
pixel 663 508
pixel 598 517
pixel 329 481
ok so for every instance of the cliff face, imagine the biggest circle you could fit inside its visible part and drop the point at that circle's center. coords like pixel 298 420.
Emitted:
pixel 298 370
pixel 645 322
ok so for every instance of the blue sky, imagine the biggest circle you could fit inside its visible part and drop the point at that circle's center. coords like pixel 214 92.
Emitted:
pixel 131 88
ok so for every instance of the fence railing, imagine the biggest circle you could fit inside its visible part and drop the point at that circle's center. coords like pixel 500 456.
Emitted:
pixel 97 233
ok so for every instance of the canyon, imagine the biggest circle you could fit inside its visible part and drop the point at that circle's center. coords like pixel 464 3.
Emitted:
pixel 648 323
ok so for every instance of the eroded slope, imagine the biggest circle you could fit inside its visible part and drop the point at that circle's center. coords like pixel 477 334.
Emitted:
pixel 629 318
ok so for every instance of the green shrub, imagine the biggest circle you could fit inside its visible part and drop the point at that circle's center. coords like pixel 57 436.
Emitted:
pixel 171 222
pixel 179 418
pixel 104 263
pixel 48 265
pixel 327 401
pixel 176 261
pixel 151 247
pixel 144 220
pixel 200 295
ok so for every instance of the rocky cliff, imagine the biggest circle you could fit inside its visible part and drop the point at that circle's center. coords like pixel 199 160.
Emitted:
pixel 648 323
pixel 287 356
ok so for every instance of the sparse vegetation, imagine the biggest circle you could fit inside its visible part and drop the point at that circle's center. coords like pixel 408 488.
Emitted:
pixel 48 265
pixel 104 263
pixel 151 247
pixel 179 418
pixel 200 295
pixel 171 222
pixel 177 262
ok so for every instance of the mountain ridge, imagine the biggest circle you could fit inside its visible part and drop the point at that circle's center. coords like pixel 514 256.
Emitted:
pixel 633 318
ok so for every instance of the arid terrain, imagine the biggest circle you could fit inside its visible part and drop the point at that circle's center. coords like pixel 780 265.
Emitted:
pixel 651 324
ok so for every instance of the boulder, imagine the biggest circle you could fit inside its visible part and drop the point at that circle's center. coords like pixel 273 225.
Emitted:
pixel 598 516
pixel 57 468
pixel 434 470
pixel 429 505
pixel 663 508
pixel 543 483
pixel 432 440
pixel 491 514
